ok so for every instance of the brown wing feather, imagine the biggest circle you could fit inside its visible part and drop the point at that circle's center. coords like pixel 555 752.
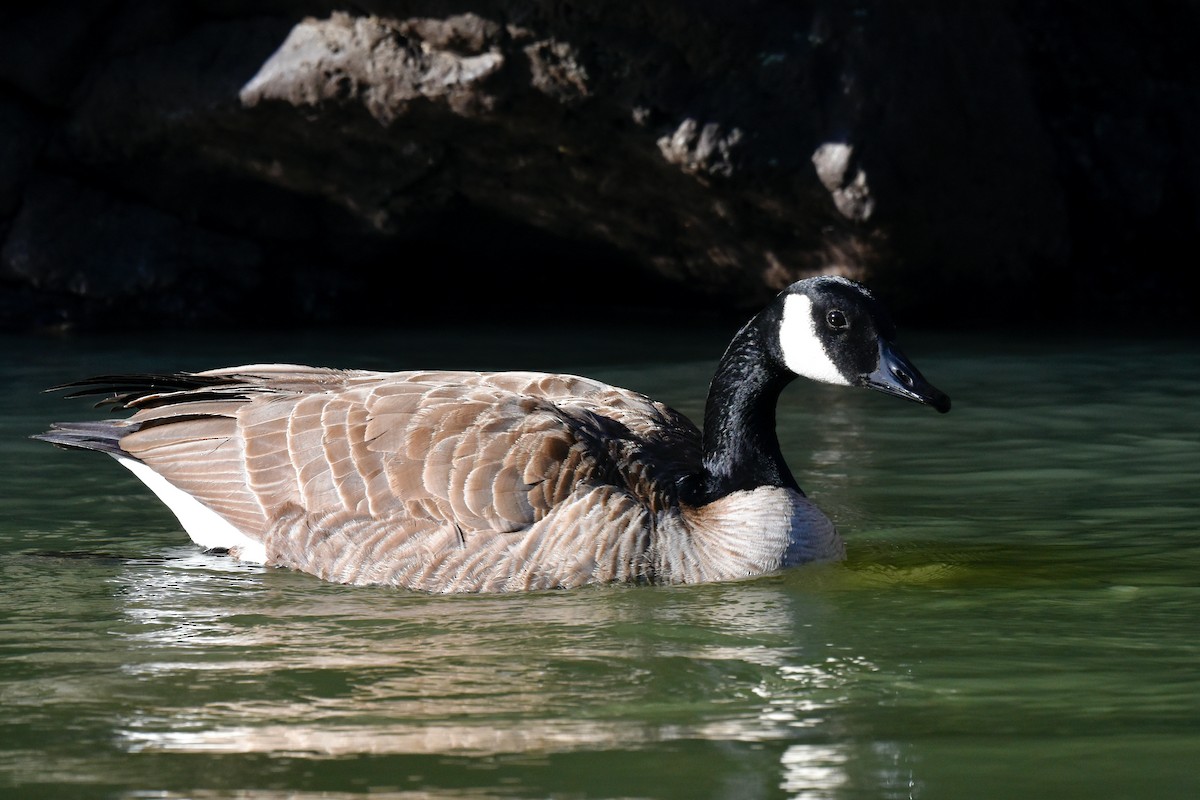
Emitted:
pixel 202 456
pixel 330 465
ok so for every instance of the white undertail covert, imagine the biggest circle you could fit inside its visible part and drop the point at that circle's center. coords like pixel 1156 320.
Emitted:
pixel 206 527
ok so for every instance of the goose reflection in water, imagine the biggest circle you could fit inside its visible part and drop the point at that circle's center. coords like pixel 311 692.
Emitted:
pixel 739 675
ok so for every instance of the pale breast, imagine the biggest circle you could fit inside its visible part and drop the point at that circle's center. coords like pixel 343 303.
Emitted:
pixel 746 533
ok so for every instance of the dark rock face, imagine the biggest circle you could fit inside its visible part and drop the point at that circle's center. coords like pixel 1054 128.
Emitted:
pixel 254 163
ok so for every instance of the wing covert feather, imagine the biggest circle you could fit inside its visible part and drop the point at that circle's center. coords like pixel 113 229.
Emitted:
pixel 358 474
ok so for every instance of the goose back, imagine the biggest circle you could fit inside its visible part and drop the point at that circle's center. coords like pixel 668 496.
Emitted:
pixel 436 480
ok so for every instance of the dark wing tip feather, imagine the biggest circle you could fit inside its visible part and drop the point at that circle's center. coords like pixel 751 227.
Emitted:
pixel 133 392
pixel 102 436
pixel 148 390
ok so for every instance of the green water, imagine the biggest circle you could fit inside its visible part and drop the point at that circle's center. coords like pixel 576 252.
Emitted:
pixel 1018 617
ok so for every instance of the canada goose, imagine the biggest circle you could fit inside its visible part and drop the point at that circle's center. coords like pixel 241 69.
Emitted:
pixel 501 481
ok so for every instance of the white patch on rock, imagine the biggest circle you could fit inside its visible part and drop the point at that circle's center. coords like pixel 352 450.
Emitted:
pixel 845 182
pixel 385 64
pixel 802 346
pixel 556 70
pixel 701 149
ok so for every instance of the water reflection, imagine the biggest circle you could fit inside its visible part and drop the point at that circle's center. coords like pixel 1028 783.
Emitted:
pixel 241 660
pixel 295 794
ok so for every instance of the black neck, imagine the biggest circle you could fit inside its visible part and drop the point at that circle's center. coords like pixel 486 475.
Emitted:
pixel 741 448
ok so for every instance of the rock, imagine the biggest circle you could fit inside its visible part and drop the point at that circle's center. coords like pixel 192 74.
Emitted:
pixel 383 64
pixel 701 149
pixel 127 263
pixel 22 135
pixel 847 184
pixel 972 162
pixel 48 47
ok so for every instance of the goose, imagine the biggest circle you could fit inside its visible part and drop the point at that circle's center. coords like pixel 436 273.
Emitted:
pixel 456 481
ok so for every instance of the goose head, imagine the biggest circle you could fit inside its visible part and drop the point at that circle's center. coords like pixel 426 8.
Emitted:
pixel 832 330
pixel 827 329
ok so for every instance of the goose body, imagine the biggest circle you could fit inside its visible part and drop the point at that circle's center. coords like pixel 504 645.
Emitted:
pixel 453 481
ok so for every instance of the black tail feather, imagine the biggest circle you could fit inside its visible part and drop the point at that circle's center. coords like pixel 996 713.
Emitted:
pixel 103 436
pixel 133 392
pixel 149 390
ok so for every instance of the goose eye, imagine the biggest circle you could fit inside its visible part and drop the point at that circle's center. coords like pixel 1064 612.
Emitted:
pixel 837 320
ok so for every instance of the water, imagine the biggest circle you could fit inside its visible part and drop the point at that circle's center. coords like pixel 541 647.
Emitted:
pixel 1017 618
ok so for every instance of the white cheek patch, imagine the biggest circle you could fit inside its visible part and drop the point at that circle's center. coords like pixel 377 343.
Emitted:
pixel 803 351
